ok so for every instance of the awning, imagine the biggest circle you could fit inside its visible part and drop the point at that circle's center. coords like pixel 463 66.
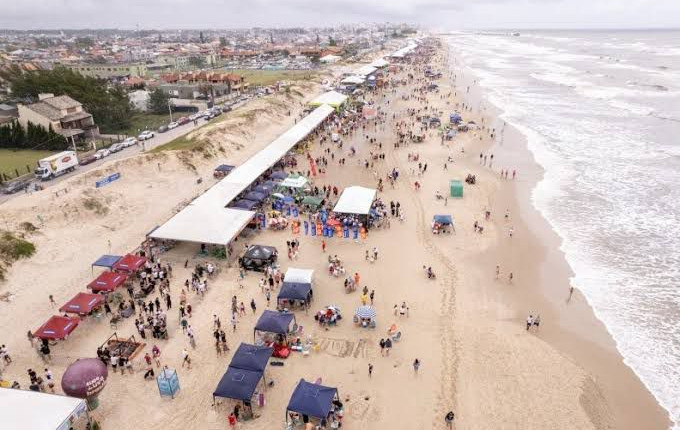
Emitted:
pixel 443 219
pixel 313 400
pixel 251 357
pixel 294 291
pixel 107 261
pixel 353 80
pixel 83 303
pixel 331 98
pixel 275 322
pixel 294 181
pixel 279 174
pixel 216 226
pixel 130 263
pixel 255 196
pixel 244 204
pixel 27 409
pixel 299 275
pixel 107 281
pixel 380 62
pixel 224 168
pixel 355 200
pixel 57 327
pixel 239 384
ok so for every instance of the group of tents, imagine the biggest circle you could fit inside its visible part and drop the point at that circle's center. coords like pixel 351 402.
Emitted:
pixel 120 267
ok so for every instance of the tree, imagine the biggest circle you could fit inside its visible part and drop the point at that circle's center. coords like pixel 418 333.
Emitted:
pixel 109 105
pixel 223 42
pixel 197 62
pixel 158 101
pixel 200 36
pixel 34 136
pixel 332 42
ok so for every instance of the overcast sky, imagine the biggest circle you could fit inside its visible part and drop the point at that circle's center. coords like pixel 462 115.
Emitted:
pixel 438 14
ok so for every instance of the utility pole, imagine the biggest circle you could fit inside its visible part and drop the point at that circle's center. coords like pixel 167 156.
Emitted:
pixel 170 110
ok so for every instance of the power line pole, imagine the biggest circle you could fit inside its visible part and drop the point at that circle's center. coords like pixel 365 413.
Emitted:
pixel 170 110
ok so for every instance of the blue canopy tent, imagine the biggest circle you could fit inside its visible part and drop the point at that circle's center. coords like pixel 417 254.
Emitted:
pixel 279 174
pixel 251 357
pixel 238 384
pixel 106 261
pixel 255 196
pixel 443 219
pixel 295 291
pixel 264 189
pixel 224 168
pixel 313 400
pixel 244 204
pixel 275 322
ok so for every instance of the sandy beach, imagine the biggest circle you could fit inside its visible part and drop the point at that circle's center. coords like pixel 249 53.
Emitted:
pixel 466 327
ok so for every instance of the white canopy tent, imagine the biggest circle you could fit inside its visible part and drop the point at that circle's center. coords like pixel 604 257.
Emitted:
pixel 353 80
pixel 380 63
pixel 203 224
pixel 365 70
pixel 303 276
pixel 355 200
pixel 331 98
pixel 404 51
pixel 297 181
pixel 24 409
pixel 330 59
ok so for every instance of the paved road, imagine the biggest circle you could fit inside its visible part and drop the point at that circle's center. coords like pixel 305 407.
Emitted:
pixel 158 140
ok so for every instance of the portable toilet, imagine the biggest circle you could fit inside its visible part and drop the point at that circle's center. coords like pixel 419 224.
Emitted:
pixel 456 187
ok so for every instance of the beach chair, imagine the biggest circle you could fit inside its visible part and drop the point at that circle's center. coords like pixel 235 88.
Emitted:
pixel 396 337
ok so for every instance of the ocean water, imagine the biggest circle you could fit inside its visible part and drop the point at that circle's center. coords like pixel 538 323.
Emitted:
pixel 601 112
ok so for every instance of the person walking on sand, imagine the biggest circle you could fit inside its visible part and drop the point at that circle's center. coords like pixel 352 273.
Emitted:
pixel 370 370
pixel 388 346
pixel 416 365
pixel 511 231
pixel 253 306
pixel 530 321
pixel 185 358
pixel 537 321
pixel 510 278
pixel 448 419
pixel 52 302
pixel 498 271
pixel 323 245
pixel 382 347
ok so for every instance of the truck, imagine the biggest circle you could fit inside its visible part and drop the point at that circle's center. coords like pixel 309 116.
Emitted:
pixel 56 165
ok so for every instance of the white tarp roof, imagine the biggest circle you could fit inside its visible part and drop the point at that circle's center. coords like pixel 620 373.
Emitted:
pixel 294 182
pixel 365 70
pixel 332 98
pixel 405 50
pixel 380 62
pixel 303 276
pixel 204 224
pixel 355 200
pixel 206 220
pixel 330 58
pixel 24 409
pixel 353 80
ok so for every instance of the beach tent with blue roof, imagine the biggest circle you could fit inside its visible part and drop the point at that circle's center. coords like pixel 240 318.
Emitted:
pixel 238 384
pixel 275 322
pixel 313 400
pixel 106 261
pixel 251 357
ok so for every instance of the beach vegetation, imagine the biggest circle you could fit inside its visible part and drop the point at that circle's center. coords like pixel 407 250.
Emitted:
pixel 12 248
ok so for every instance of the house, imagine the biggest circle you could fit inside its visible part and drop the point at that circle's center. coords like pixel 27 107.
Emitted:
pixel 109 71
pixel 8 113
pixel 65 115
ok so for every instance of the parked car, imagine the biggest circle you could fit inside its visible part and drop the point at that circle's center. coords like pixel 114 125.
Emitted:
pixel 183 120
pixel 195 116
pixel 163 129
pixel 116 147
pixel 87 160
pixel 102 153
pixel 130 141
pixel 145 135
pixel 15 186
pixel 172 125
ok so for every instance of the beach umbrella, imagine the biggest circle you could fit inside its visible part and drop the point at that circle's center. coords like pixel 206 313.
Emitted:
pixel 365 312
pixel 279 174
pixel 278 195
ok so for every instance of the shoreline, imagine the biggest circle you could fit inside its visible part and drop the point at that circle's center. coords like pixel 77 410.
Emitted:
pixel 578 333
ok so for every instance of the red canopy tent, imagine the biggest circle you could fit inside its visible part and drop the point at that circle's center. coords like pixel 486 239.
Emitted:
pixel 57 327
pixel 130 263
pixel 83 303
pixel 107 281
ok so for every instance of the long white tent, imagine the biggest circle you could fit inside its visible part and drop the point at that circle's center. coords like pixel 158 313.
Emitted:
pixel 331 98
pixel 353 80
pixel 302 276
pixel 355 200
pixel 200 224
pixel 24 409
pixel 404 51
pixel 380 63
pixel 206 220
pixel 365 70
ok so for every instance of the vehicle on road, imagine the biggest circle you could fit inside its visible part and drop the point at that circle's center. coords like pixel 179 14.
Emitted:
pixel 15 186
pixel 163 128
pixel 56 165
pixel 183 120
pixel 116 147
pixel 145 135
pixel 102 153
pixel 173 125
pixel 130 141
pixel 88 160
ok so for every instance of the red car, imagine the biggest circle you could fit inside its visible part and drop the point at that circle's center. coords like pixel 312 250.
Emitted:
pixel 87 160
pixel 183 120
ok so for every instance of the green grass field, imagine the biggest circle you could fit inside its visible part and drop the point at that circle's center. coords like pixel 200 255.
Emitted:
pixel 270 77
pixel 145 121
pixel 11 160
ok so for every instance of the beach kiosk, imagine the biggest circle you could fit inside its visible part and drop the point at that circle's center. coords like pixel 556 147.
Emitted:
pixel 331 98
pixel 456 188
pixel 26 409
pixel 314 401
